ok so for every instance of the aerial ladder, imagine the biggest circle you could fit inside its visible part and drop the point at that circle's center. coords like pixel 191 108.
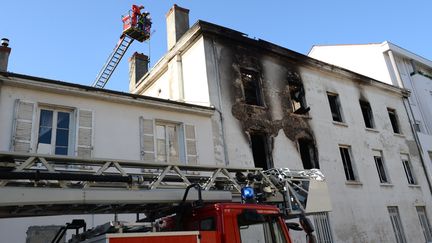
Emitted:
pixel 136 26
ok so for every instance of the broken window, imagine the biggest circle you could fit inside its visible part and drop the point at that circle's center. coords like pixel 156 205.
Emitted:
pixel 260 151
pixel 251 87
pixel 346 161
pixel 335 107
pixel 297 94
pixel 307 153
pixel 382 172
pixel 393 120
pixel 408 169
pixel 367 114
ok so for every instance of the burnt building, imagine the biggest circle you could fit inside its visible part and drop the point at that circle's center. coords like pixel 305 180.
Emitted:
pixel 278 108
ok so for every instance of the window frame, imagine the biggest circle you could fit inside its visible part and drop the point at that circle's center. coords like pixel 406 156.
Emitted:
pixel 397 225
pixel 394 120
pixel 54 127
pixel 381 168
pixel 349 164
pixel 252 82
pixel 335 107
pixel 180 141
pixel 366 109
pixel 406 163
pixel 424 223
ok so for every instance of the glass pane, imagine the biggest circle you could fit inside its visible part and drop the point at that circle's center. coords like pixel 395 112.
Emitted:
pixel 160 132
pixel 46 117
pixel 62 138
pixel 61 150
pixel 63 120
pixel 44 135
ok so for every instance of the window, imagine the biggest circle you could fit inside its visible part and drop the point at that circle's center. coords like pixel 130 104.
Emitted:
pixel 50 129
pixel 260 151
pixel 323 227
pixel 424 222
pixel 307 153
pixel 397 224
pixel 335 107
pixel 164 141
pixel 408 169
pixel 167 142
pixel 394 120
pixel 297 94
pixel 54 132
pixel 367 114
pixel 251 87
pixel 379 163
pixel 260 229
pixel 346 161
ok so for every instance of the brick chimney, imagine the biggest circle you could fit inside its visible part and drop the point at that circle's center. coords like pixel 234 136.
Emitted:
pixel 4 54
pixel 177 20
pixel 138 67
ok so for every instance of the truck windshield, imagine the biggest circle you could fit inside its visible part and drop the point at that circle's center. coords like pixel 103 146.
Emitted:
pixel 268 231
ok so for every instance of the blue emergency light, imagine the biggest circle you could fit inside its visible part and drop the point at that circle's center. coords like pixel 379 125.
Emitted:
pixel 247 193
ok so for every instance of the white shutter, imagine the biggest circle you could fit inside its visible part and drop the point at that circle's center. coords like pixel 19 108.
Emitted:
pixel 84 134
pixel 147 147
pixel 191 150
pixel 22 136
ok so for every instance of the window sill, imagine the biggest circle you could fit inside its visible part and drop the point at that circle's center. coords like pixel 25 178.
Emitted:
pixel 371 130
pixel 306 116
pixel 386 184
pixel 353 183
pixel 342 124
pixel 399 135
pixel 414 186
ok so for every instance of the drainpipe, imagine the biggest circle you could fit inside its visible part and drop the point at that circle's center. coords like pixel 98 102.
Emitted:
pixel 216 68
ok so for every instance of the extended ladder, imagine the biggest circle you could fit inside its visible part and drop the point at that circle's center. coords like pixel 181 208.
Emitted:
pixel 38 184
pixel 112 62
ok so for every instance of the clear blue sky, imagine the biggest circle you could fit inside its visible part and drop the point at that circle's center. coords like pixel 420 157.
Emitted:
pixel 70 40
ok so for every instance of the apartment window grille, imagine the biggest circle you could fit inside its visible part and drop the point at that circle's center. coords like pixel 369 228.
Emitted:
pixel 394 120
pixel 347 163
pixel 379 163
pixel 367 114
pixel 408 170
pixel 335 107
pixel 424 222
pixel 251 87
pixel 397 224
pixel 323 228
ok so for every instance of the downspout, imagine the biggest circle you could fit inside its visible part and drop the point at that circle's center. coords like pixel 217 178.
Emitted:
pixel 216 68
pixel 180 79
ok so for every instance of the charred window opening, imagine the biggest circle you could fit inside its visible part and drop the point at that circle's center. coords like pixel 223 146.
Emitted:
pixel 297 93
pixel 307 153
pixel 393 120
pixel 260 150
pixel 335 107
pixel 367 114
pixel 251 87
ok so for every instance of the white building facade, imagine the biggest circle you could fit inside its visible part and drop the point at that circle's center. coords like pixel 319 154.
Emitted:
pixel 278 108
pixel 394 65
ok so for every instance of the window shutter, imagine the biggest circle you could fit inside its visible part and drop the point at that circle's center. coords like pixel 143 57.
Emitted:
pixel 85 134
pixel 147 149
pixel 23 126
pixel 191 150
